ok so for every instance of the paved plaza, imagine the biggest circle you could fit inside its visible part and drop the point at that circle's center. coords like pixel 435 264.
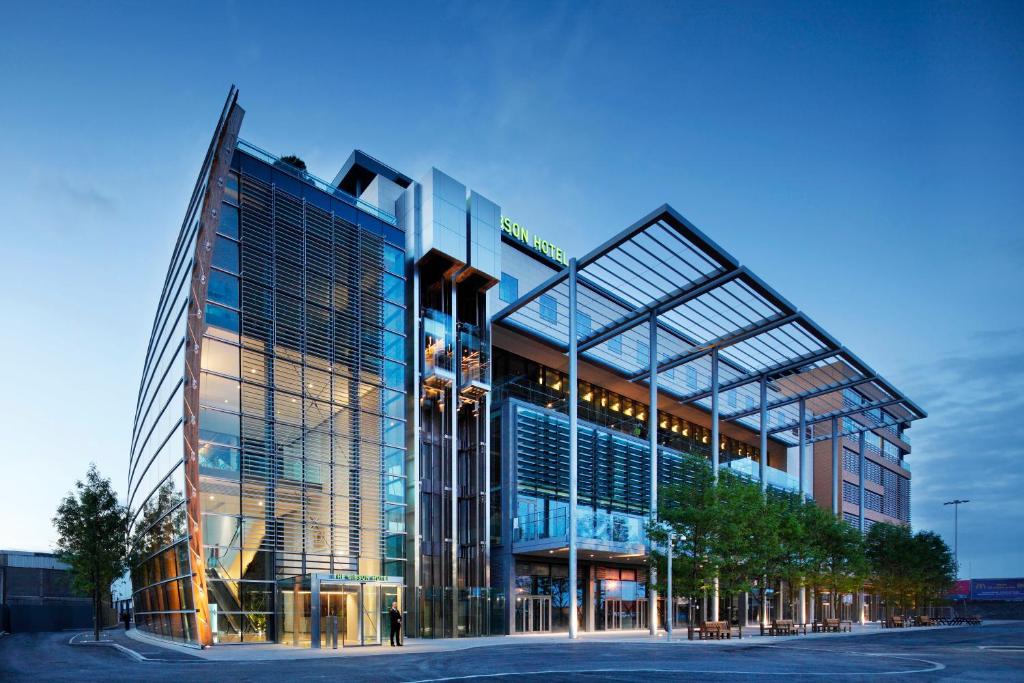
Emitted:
pixel 994 651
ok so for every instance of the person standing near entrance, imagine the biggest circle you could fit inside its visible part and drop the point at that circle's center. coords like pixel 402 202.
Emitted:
pixel 396 625
pixel 395 615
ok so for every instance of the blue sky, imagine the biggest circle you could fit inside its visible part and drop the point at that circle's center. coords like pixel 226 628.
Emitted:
pixel 867 159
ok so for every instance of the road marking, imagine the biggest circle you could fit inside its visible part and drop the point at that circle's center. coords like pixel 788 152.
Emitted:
pixel 934 666
pixel 1002 648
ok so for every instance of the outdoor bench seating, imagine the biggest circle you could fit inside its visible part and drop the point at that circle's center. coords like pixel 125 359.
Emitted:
pixel 715 630
pixel 784 627
pixel 832 626
pixel 923 620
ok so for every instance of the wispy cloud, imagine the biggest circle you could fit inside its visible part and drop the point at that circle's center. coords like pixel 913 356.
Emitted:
pixel 971 447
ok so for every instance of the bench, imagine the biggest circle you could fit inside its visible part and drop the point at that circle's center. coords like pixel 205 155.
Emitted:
pixel 784 627
pixel 715 630
pixel 833 626
pixel 923 620
pixel 894 622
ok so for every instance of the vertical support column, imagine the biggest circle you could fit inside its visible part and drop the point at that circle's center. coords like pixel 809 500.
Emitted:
pixel 836 506
pixel 803 450
pixel 860 476
pixel 763 465
pixel 860 510
pixel 714 413
pixel 802 595
pixel 453 416
pixel 573 448
pixel 715 455
pixel 652 439
pixel 314 610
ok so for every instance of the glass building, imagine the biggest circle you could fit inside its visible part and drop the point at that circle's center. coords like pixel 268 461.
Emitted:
pixel 363 392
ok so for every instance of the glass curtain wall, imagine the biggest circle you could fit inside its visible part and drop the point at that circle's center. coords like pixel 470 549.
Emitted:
pixel 302 424
pixel 532 382
pixel 160 571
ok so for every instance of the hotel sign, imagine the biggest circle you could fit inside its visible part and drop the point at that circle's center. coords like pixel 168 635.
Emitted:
pixel 535 242
pixel 363 578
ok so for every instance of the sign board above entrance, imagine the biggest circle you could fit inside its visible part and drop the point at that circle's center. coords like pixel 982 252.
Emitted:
pixel 536 242
pixel 362 578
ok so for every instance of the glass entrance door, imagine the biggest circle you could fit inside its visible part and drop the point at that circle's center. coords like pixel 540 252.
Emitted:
pixel 624 614
pixel 343 601
pixel 533 614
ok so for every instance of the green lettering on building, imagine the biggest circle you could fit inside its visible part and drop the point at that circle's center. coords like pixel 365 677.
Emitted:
pixel 537 243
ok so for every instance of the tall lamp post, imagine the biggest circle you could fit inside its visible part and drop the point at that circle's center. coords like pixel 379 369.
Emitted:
pixel 670 610
pixel 956 531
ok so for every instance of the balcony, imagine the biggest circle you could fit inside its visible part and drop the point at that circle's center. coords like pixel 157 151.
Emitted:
pixel 750 469
pixel 599 530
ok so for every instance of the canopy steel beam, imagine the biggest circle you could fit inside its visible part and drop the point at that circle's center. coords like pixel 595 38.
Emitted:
pixel 672 218
pixel 854 432
pixel 822 391
pixel 766 372
pixel 525 299
pixel 676 298
pixel 843 413
pixel 761 326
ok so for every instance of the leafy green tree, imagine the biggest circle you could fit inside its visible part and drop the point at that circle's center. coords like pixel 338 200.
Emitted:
pixel 91 530
pixel 908 569
pixel 841 563
pixel 689 510
pixel 742 529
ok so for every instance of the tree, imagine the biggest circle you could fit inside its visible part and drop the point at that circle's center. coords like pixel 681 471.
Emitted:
pixel 908 569
pixel 888 548
pixel 91 537
pixel 689 511
pixel 934 569
pixel 841 563
pixel 293 161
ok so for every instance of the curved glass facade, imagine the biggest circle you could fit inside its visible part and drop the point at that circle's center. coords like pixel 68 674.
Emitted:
pixel 299 414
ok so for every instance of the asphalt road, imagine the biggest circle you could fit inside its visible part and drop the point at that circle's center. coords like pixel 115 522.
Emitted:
pixel 986 653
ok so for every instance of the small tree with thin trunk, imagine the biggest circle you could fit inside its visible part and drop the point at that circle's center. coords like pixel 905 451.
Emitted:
pixel 91 537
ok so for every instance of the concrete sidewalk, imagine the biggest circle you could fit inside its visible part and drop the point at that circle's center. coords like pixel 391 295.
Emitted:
pixel 145 647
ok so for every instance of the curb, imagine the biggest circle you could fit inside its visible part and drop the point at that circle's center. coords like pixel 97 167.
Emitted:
pixel 106 643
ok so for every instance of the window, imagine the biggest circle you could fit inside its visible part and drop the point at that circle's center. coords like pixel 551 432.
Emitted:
pixel 584 325
pixel 691 377
pixel 223 289
pixel 231 188
pixel 643 353
pixel 222 322
pixel 548 308
pixel 394 288
pixel 508 288
pixel 228 221
pixel 394 318
pixel 394 260
pixel 615 345
pixel 225 254
pixel 394 375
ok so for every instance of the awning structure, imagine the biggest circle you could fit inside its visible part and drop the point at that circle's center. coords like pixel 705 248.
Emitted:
pixel 702 304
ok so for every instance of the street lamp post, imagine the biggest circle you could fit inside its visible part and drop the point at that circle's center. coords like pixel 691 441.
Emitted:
pixel 956 531
pixel 670 611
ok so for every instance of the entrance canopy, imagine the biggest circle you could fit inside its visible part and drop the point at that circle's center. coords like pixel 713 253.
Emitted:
pixel 664 272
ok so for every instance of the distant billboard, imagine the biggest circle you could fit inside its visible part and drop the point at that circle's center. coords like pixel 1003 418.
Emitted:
pixel 961 590
pixel 997 589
